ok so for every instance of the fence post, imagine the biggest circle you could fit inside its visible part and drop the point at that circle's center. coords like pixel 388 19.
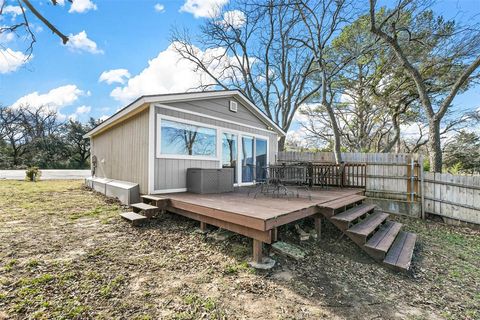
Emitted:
pixel 409 182
pixel 422 187
pixel 310 174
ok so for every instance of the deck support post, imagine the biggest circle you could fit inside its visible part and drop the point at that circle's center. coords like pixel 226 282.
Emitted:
pixel 257 251
pixel 274 234
pixel 203 226
pixel 318 226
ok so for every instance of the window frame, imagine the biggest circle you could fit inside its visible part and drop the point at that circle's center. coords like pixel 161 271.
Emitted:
pixel 159 153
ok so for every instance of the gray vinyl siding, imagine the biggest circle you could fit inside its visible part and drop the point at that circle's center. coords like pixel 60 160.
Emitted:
pixel 171 173
pixel 220 108
pixel 122 151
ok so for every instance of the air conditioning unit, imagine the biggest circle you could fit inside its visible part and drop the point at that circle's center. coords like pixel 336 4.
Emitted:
pixel 233 106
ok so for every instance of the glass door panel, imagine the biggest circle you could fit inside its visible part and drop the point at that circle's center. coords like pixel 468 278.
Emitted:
pixel 247 159
pixel 230 153
pixel 260 159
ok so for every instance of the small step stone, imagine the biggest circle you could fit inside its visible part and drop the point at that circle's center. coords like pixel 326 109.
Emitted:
pixel 289 250
pixel 221 235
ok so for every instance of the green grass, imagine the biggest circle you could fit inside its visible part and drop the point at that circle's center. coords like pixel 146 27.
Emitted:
pixel 197 307
pixel 10 265
pixel 59 261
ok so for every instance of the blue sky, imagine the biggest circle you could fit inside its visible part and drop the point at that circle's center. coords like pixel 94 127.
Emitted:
pixel 123 36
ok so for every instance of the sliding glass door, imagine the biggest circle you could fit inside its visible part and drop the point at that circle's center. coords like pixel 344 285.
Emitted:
pixel 230 153
pixel 246 155
pixel 260 159
pixel 247 158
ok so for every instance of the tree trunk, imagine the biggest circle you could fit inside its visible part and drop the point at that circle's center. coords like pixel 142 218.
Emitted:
pixel 435 146
pixel 336 134
pixel 333 121
pixel 396 138
pixel 281 144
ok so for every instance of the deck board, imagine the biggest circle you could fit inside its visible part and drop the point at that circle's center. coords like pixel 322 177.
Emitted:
pixel 261 213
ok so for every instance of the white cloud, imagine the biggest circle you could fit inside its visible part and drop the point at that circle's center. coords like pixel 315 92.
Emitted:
pixel 6 36
pixel 82 6
pixel 115 75
pixel 234 19
pixel 13 10
pixel 103 118
pixel 203 8
pixel 298 138
pixel 159 7
pixel 83 110
pixel 81 42
pixel 54 99
pixel 168 73
pixel 12 60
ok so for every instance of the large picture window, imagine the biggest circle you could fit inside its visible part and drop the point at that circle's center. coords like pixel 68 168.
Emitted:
pixel 185 139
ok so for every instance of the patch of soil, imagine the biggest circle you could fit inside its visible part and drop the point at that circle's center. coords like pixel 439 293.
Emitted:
pixel 87 263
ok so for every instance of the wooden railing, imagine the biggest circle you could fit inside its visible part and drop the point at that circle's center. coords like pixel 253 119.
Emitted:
pixel 349 175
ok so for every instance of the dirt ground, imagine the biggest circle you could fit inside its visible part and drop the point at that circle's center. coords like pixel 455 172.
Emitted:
pixel 65 254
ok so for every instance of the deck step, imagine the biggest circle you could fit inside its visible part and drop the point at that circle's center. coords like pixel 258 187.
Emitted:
pixel 400 254
pixel 143 206
pixel 146 209
pixel 133 217
pixel 353 213
pixel 382 240
pixel 366 227
pixel 152 197
pixel 343 202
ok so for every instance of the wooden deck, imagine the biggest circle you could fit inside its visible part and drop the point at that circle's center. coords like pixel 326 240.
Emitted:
pixel 252 217
pixel 259 217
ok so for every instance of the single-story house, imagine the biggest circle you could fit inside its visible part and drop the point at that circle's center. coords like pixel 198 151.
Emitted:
pixel 156 138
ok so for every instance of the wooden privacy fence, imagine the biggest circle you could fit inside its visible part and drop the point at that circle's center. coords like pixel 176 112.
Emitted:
pixel 386 175
pixel 398 184
pixel 453 196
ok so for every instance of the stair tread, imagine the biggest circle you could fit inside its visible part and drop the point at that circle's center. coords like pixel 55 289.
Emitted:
pixel 382 239
pixel 353 213
pixel 153 197
pixel 368 225
pixel 143 206
pixel 132 216
pixel 401 251
pixel 342 202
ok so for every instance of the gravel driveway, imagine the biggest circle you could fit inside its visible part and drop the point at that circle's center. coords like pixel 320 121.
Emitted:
pixel 46 174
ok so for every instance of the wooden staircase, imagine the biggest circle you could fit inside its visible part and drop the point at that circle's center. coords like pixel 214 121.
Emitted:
pixel 380 238
pixel 142 211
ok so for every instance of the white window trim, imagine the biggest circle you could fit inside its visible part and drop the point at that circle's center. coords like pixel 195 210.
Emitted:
pixel 159 154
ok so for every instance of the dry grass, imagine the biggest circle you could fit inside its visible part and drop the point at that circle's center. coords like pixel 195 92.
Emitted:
pixel 65 254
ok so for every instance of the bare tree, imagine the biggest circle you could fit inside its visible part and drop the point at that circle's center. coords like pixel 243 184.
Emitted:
pixel 322 20
pixel 257 55
pixel 449 47
pixel 24 26
pixel 13 133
